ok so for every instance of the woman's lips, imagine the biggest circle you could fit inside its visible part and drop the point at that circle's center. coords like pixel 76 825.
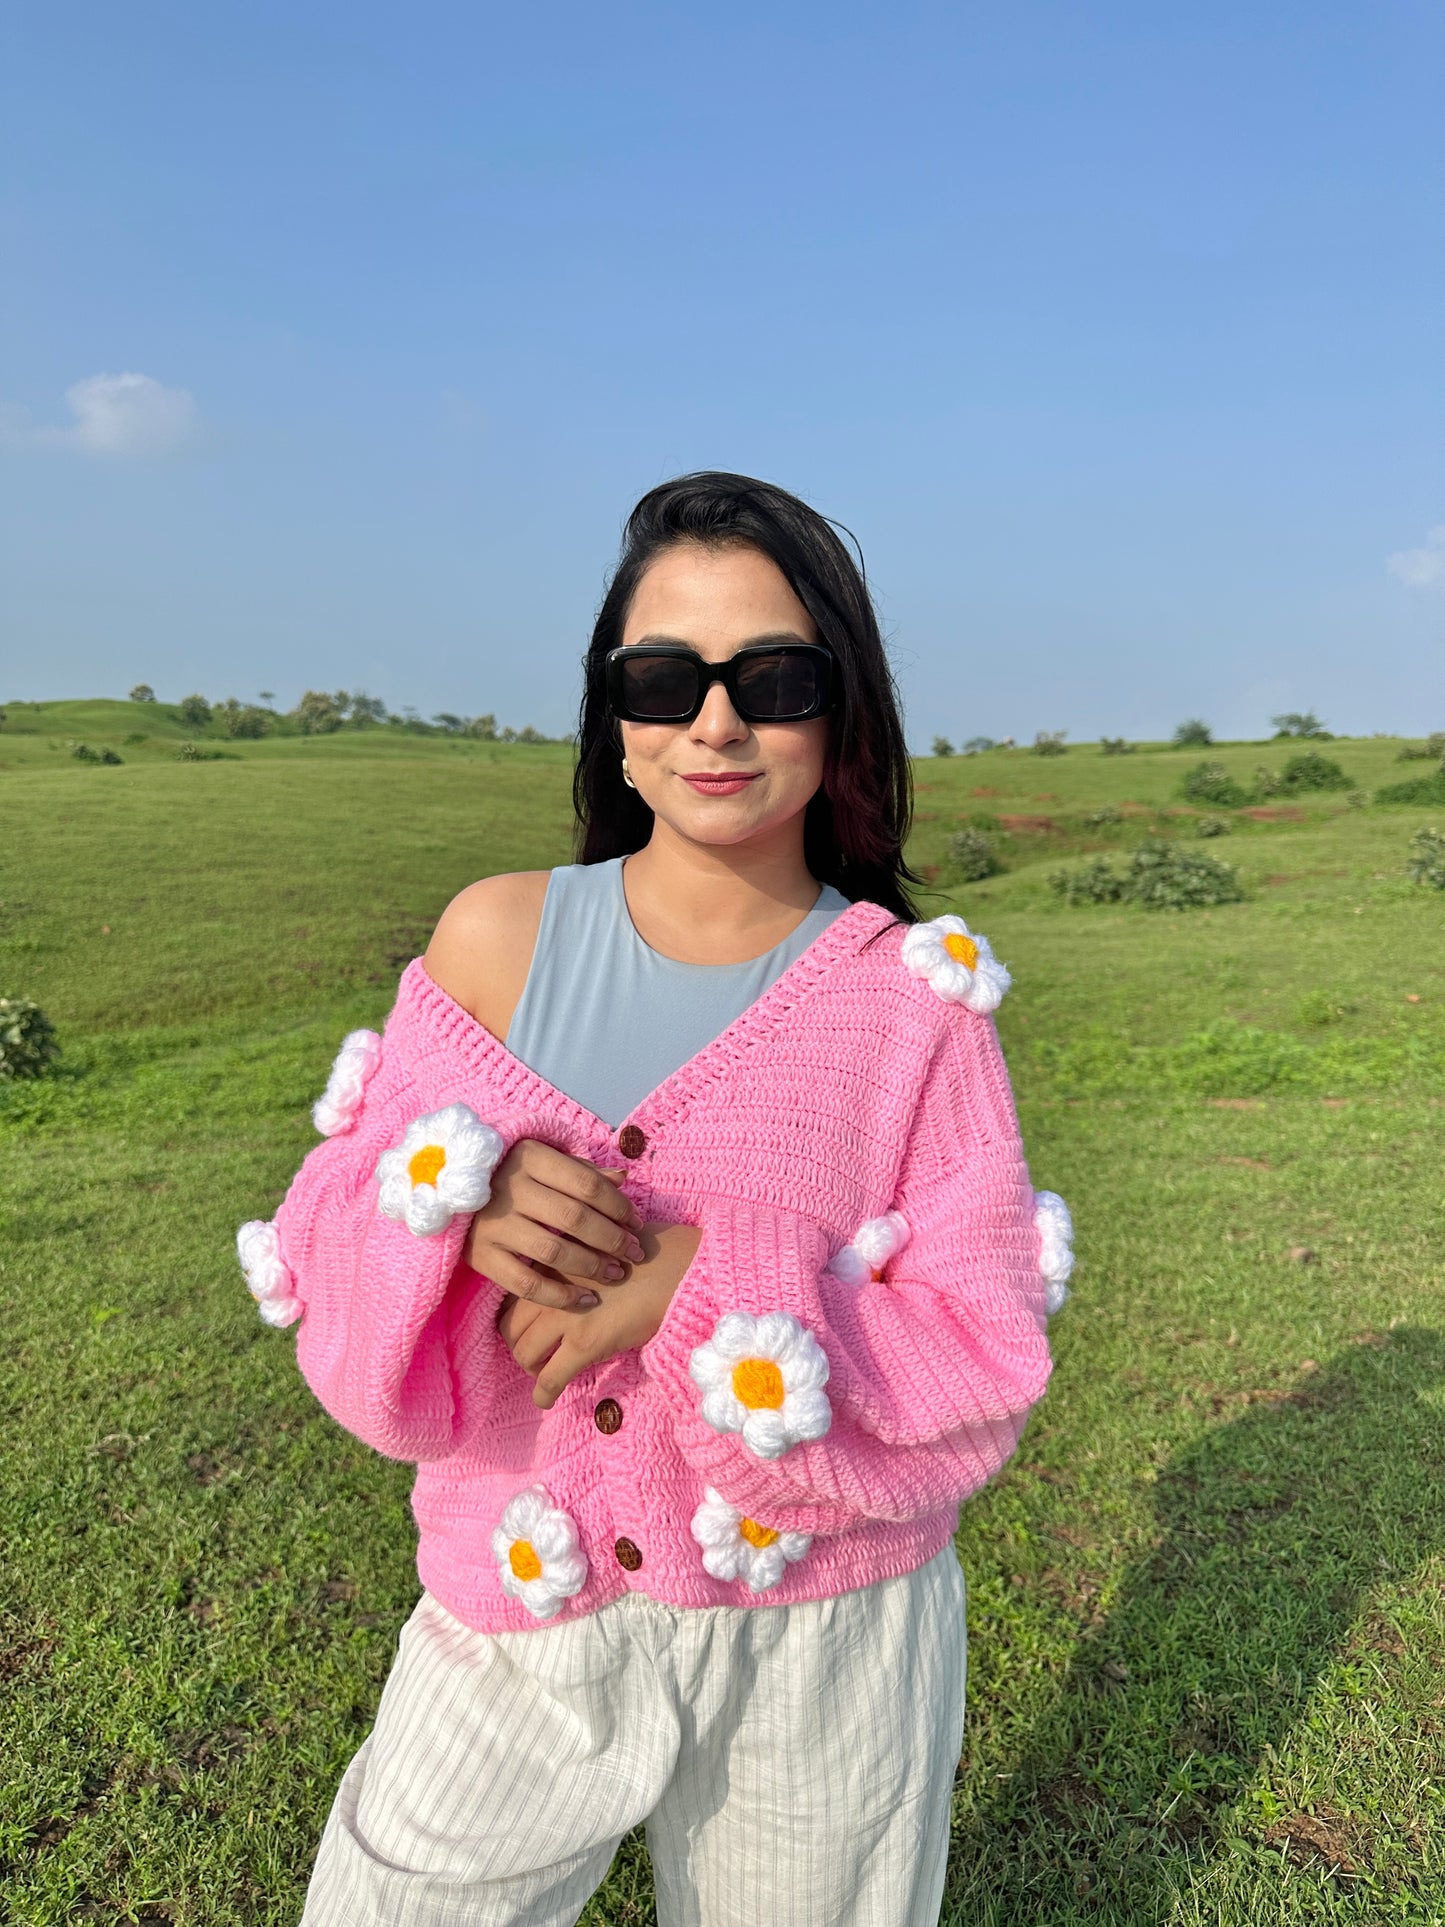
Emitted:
pixel 719 785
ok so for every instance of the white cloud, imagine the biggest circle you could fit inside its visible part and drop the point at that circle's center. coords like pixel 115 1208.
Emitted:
pixel 1421 568
pixel 118 415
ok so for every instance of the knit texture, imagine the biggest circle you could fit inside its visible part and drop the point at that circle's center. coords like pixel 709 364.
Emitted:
pixel 857 1409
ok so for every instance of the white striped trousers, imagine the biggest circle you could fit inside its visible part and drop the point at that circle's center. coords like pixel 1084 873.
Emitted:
pixel 793 1765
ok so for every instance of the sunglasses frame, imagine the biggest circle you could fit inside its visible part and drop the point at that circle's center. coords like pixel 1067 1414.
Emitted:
pixel 724 672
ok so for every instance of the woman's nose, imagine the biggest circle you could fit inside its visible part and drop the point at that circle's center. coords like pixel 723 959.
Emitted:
pixel 717 721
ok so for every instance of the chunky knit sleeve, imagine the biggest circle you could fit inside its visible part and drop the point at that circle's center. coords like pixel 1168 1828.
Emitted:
pixel 893 1380
pixel 397 1335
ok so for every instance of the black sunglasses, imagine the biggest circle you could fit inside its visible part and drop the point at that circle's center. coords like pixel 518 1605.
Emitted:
pixel 767 682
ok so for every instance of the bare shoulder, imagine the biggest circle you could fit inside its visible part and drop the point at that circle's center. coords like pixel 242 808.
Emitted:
pixel 482 947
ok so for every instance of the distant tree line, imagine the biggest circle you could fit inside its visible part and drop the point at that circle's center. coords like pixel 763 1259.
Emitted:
pixel 322 713
pixel 1194 733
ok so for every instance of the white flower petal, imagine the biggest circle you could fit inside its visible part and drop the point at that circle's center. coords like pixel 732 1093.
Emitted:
pixel 776 1338
pixel 463 1180
pixel 979 987
pixel 728 1554
pixel 268 1276
pixel 552 1536
pixel 339 1104
pixel 851 1266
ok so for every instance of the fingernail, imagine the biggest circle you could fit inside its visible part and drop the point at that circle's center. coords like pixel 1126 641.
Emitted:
pixel 588 1301
pixel 635 1251
pixel 613 1272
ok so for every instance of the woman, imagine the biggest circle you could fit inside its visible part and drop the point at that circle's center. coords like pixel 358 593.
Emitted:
pixel 679 1229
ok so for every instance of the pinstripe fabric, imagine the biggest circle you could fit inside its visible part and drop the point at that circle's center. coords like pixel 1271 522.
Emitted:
pixel 793 1765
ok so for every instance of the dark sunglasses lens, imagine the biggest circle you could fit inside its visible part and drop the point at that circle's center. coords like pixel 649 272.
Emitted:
pixel 781 685
pixel 663 687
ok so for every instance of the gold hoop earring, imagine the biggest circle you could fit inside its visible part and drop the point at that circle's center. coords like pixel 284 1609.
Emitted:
pixel 627 779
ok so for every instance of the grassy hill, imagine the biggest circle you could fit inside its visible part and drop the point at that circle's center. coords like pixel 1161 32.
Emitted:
pixel 1207 1600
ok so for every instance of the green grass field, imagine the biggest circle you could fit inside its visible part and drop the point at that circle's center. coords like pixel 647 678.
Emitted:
pixel 1207 1599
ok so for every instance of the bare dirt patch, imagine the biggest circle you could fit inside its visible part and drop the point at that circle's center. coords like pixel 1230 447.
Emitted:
pixel 1274 813
pixel 1027 825
pixel 1311 1838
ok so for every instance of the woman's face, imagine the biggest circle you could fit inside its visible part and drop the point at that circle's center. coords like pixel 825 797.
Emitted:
pixel 714 601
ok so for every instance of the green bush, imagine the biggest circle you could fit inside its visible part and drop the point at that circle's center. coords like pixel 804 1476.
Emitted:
pixel 1096 882
pixel 1213 826
pixel 1116 746
pixel 1049 742
pixel 1193 734
pixel 942 746
pixel 976 745
pixel 1105 814
pixel 27 1039
pixel 1212 783
pixel 1312 772
pixel 972 857
pixel 1419 789
pixel 1432 750
pixel 1162 876
pixel 1292 723
pixel 83 753
pixel 198 753
pixel 194 711
pixel 1159 875
pixel 243 720
pixel 1427 858
pixel 142 693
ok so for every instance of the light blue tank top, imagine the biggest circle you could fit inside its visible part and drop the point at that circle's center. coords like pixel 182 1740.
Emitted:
pixel 606 1018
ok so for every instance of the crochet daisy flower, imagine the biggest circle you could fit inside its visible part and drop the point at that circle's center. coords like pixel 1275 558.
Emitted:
pixel 442 1166
pixel 874 1243
pixel 737 1548
pixel 337 1107
pixel 268 1276
pixel 1056 1247
pixel 958 964
pixel 537 1553
pixel 763 1377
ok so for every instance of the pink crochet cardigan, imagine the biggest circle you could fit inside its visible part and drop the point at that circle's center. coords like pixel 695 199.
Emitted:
pixel 852 1352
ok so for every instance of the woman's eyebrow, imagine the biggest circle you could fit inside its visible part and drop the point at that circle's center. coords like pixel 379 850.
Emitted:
pixel 680 642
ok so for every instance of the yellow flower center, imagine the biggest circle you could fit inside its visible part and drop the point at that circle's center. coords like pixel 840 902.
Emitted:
pixel 523 1560
pixel 426 1163
pixel 758 1384
pixel 962 949
pixel 755 1534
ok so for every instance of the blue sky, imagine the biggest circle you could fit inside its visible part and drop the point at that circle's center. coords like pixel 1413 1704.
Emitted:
pixel 1114 331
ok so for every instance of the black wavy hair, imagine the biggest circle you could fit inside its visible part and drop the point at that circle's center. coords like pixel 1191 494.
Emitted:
pixel 855 826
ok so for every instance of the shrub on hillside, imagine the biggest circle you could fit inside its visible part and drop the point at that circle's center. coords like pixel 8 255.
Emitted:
pixel 976 745
pixel 1432 750
pixel 1158 875
pixel 1419 789
pixel 1096 882
pixel 1213 826
pixel 194 711
pixel 1212 783
pixel 1193 734
pixel 27 1039
pixel 142 693
pixel 1049 742
pixel 83 753
pixel 1292 723
pixel 1116 746
pixel 972 856
pixel 942 746
pixel 1427 858
pixel 1312 772
pixel 243 720
pixel 1106 814
pixel 1163 876
pixel 203 753
pixel 319 714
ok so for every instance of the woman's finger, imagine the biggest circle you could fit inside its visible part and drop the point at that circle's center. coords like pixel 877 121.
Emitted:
pixel 575 1220
pixel 576 1178
pixel 549 1248
pixel 513 1274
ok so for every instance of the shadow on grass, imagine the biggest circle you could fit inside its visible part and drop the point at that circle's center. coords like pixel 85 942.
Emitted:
pixel 1273 1532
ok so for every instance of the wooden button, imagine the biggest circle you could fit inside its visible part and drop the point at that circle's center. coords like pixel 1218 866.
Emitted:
pixel 631 1142
pixel 628 1557
pixel 608 1416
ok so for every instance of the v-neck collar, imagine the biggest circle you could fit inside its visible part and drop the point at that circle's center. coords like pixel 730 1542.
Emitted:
pixel 521 1085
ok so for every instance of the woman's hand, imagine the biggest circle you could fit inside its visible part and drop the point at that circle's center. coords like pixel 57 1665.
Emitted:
pixel 553 1346
pixel 554 1226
